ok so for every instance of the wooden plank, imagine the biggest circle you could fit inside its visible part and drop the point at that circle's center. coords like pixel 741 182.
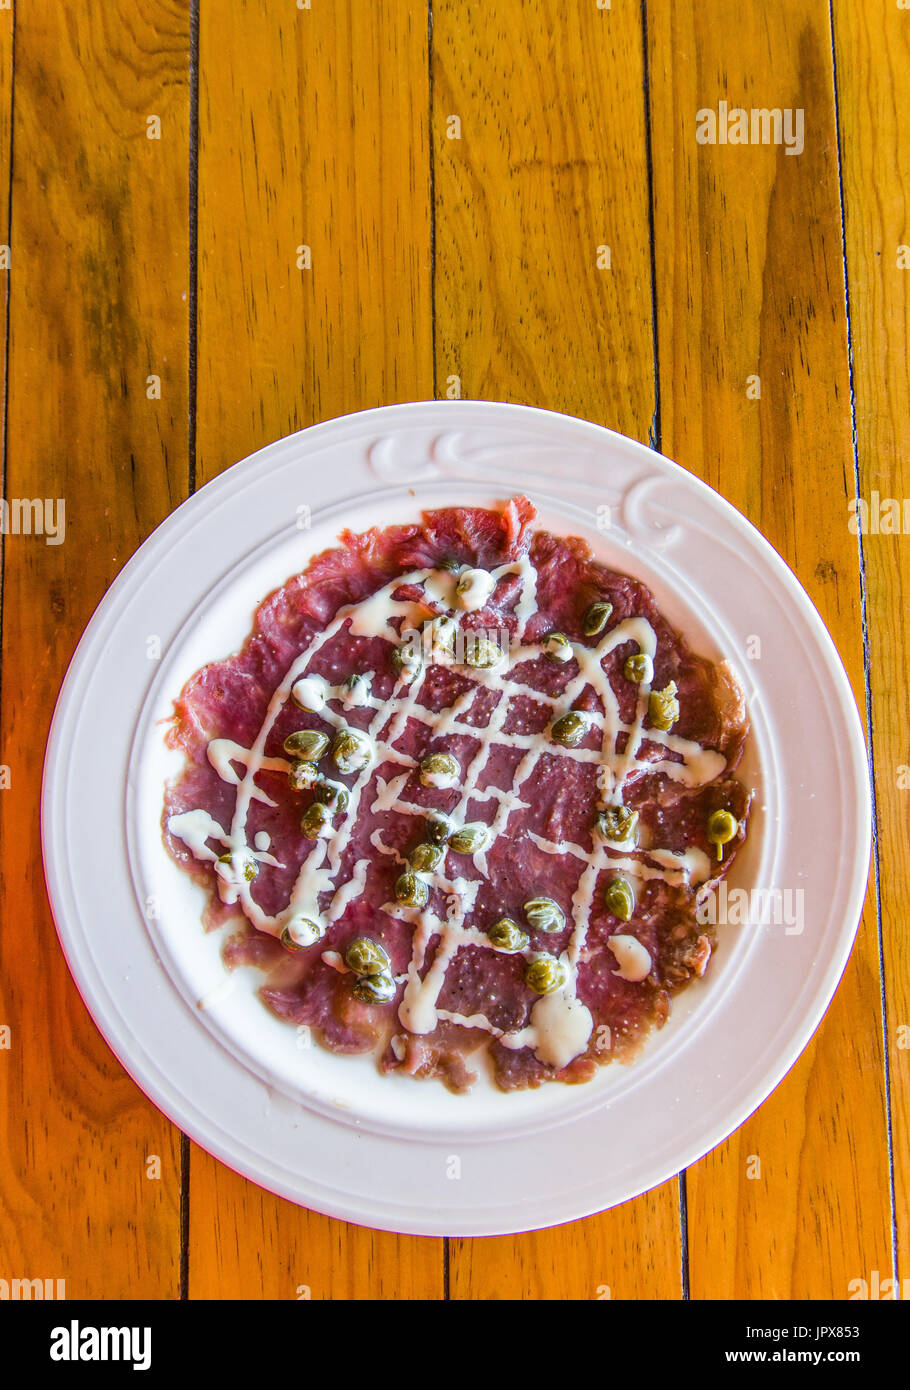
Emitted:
pixel 630 1252
pixel 312 132
pixel 532 177
pixel 750 282
pixel 98 304
pixel 313 123
pixel 872 45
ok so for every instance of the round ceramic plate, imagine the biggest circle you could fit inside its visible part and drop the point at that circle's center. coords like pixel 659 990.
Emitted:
pixel 329 1132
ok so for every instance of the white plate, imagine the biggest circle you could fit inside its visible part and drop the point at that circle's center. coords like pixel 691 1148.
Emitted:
pixel 326 1131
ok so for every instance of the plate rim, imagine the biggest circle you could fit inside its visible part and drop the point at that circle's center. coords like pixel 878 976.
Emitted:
pixel 390 415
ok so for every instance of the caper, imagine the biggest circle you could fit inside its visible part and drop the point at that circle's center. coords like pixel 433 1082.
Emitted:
pixel 474 588
pixel 306 744
pixel 545 915
pixel 407 662
pixel 439 770
pixel 619 898
pixel 469 838
pixel 438 828
pixel 316 818
pixel 507 935
pixel 351 750
pixel 544 974
pixel 248 866
pixel 357 691
pixel 596 618
pixel 310 693
pixel 663 707
pixel 618 823
pixel 557 647
pixel 440 632
pixel 424 858
pixel 300 933
pixel 448 564
pixel 366 957
pixel 482 654
pixel 302 775
pixel 638 668
pixel 334 794
pixel 722 827
pixel 410 890
pixel 374 989
pixel 569 729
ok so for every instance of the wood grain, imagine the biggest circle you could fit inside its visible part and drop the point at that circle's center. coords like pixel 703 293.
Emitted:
pixel 545 163
pixel 312 132
pixel 750 281
pixel 97 304
pixel 550 166
pixel 873 57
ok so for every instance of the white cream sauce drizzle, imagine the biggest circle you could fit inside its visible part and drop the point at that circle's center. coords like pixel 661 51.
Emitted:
pixel 633 959
pixel 559 1025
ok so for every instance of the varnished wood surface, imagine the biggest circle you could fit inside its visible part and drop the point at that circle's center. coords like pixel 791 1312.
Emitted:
pixel 456 172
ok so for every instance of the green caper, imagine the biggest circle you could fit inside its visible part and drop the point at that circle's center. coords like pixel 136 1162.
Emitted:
pixel 333 794
pixel 439 770
pixel 596 618
pixel 302 775
pixel 351 751
pixel 440 632
pixel 310 693
pixel 469 838
pixel 300 933
pixel 482 654
pixel 544 914
pixel 619 823
pixel 663 707
pixel 544 974
pixel 507 935
pixel 619 898
pixel 722 826
pixel 407 662
pixel 438 828
pixel 426 857
pixel 366 957
pixel 357 690
pixel 374 989
pixel 448 564
pixel 410 890
pixel 638 668
pixel 306 744
pixel 248 866
pixel 315 820
pixel 557 647
pixel 474 588
pixel 569 729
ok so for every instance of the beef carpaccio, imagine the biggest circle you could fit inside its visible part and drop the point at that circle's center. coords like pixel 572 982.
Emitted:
pixel 460 793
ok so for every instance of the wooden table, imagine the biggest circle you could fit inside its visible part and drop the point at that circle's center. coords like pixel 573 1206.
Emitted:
pixel 231 220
